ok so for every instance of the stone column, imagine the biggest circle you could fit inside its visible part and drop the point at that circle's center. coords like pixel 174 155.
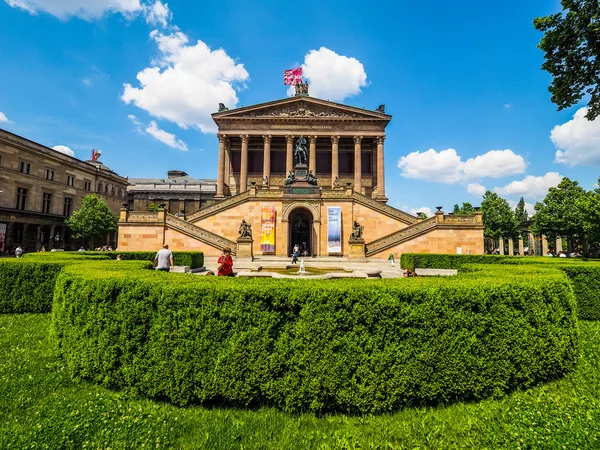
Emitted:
pixel 335 158
pixel 317 243
pixel 52 232
pixel 227 162
pixel 38 237
pixel 544 245
pixel 380 171
pixel 8 237
pixel 244 164
pixel 289 156
pixel 559 246
pixel 267 157
pixel 221 165
pixel 312 158
pixel 501 245
pixel 532 245
pixel 511 247
pixel 521 249
pixel 357 164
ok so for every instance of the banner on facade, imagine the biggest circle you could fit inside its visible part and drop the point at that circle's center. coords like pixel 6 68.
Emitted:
pixel 334 229
pixel 2 236
pixel 267 229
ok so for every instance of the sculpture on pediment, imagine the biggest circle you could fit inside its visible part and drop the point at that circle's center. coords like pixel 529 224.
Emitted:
pixel 336 182
pixel 357 231
pixel 311 179
pixel 300 153
pixel 302 88
pixel 222 107
pixel 245 230
pixel 291 178
pixel 265 181
pixel 303 109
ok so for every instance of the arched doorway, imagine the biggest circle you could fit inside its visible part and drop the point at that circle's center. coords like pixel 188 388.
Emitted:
pixel 301 231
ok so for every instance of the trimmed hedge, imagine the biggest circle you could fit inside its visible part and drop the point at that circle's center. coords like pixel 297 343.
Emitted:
pixel 318 345
pixel 193 259
pixel 584 275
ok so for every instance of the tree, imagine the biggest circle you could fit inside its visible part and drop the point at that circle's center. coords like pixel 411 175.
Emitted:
pixel 571 44
pixel 520 212
pixel 498 218
pixel 94 218
pixel 589 205
pixel 456 209
pixel 560 214
pixel 466 208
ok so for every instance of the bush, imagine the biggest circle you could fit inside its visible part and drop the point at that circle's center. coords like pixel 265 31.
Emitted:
pixel 193 259
pixel 584 275
pixel 346 345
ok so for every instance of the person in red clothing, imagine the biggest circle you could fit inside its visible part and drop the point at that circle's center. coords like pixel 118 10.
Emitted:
pixel 225 264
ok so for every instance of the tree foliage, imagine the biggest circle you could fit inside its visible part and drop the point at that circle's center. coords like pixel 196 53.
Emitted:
pixel 498 218
pixel 94 218
pixel 521 214
pixel 560 213
pixel 571 44
pixel 589 206
pixel 466 208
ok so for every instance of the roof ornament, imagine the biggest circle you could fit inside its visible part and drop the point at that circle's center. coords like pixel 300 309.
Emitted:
pixel 381 108
pixel 222 107
pixel 96 154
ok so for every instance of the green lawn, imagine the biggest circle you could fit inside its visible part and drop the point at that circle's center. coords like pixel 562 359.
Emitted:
pixel 41 407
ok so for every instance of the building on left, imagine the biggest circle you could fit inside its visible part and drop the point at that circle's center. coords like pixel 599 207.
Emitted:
pixel 41 187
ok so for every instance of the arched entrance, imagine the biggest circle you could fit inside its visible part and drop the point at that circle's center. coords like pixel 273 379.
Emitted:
pixel 300 231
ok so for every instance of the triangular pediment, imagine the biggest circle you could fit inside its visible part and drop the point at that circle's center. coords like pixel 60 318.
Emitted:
pixel 301 107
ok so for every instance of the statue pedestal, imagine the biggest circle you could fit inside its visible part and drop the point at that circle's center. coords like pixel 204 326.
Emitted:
pixel 244 249
pixel 300 171
pixel 357 249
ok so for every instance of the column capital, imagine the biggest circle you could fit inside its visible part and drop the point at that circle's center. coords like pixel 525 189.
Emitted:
pixel 380 139
pixel 223 138
pixel 357 139
pixel 313 139
pixel 335 139
pixel 244 138
pixel 289 138
pixel 267 138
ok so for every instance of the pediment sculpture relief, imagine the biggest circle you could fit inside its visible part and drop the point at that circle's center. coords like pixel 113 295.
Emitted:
pixel 303 110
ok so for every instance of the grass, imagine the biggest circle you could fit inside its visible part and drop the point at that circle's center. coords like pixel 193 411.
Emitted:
pixel 41 407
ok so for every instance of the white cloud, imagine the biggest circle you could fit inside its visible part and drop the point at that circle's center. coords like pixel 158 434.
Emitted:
pixel 158 13
pixel 3 118
pixel 86 81
pixel 186 83
pixel 64 149
pixel 508 105
pixel 84 9
pixel 494 164
pixel 447 166
pixel 332 76
pixel 135 120
pixel 528 207
pixel 476 189
pixel 531 187
pixel 164 137
pixel 577 141
pixel 424 209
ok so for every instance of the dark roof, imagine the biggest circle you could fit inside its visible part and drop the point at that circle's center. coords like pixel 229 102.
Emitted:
pixel 177 180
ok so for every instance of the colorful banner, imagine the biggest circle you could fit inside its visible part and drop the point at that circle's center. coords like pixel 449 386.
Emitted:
pixel 267 229
pixel 2 236
pixel 334 229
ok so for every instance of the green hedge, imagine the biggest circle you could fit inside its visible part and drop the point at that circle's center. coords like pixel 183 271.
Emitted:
pixel 584 274
pixel 193 259
pixel 318 345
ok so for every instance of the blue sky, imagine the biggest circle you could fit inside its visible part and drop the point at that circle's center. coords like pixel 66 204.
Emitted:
pixel 462 81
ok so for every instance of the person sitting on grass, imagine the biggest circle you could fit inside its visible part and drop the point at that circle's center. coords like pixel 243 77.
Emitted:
pixel 225 264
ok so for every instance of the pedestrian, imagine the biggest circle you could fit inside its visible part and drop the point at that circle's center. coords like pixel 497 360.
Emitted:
pixel 295 256
pixel 18 252
pixel 164 259
pixel 391 259
pixel 81 249
pixel 225 264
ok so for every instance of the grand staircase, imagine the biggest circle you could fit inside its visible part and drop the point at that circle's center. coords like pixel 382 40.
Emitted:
pixel 200 234
pixel 398 237
pixel 384 209
pixel 218 207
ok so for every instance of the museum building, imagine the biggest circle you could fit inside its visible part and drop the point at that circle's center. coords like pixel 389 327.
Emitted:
pixel 298 171
pixel 41 187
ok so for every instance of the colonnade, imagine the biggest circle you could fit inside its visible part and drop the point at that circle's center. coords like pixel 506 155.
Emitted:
pixel 223 160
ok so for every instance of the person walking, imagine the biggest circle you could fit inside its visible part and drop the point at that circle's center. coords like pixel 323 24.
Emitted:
pixel 391 259
pixel 18 252
pixel 295 256
pixel 164 259
pixel 225 264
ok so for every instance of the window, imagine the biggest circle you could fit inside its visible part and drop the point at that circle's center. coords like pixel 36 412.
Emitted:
pixel 100 187
pixel 67 206
pixel 46 202
pixel 50 174
pixel 24 167
pixel 87 185
pixel 70 180
pixel 22 198
pixel 0 160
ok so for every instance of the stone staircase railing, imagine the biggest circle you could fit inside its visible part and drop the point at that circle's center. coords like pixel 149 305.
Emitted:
pixel 212 239
pixel 385 209
pixel 218 207
pixel 389 241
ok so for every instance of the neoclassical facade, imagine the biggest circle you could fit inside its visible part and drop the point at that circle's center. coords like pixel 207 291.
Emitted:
pixel 334 205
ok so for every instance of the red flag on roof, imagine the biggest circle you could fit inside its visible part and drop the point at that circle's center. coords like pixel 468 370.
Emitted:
pixel 292 76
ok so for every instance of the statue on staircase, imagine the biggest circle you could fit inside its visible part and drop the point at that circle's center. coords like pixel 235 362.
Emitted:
pixel 245 230
pixel 357 231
